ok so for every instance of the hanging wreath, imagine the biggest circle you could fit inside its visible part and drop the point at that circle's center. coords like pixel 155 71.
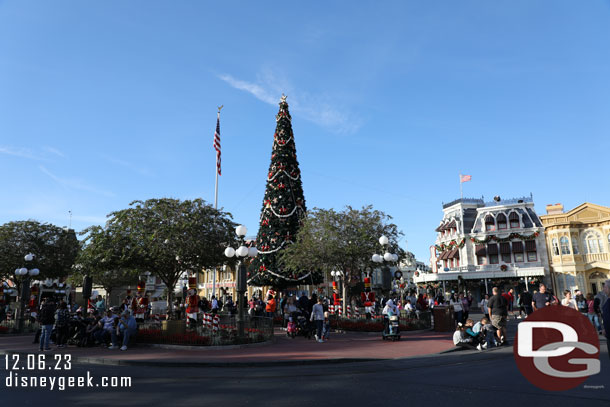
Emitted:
pixel 503 267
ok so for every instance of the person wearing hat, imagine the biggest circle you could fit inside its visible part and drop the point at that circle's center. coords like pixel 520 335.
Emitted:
pixel 126 328
pixel 141 302
pixel 192 301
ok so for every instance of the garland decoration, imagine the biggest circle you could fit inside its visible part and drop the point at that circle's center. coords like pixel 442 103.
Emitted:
pixel 510 237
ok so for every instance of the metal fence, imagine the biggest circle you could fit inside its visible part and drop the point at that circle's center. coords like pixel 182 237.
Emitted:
pixel 10 325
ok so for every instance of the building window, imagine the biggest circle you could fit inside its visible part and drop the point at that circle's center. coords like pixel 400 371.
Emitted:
pixel 518 257
pixel 531 256
pixel 493 259
pixel 482 260
pixel 489 223
pixel 593 243
pixel 575 245
pixel 555 248
pixel 565 245
pixel 501 219
pixel 506 257
pixel 513 218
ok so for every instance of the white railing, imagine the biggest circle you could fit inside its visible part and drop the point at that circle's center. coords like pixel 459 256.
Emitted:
pixel 591 257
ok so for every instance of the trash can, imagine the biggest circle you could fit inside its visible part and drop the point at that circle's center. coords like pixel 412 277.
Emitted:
pixel 443 319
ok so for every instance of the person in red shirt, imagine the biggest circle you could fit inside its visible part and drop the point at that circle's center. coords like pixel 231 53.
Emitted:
pixel 510 297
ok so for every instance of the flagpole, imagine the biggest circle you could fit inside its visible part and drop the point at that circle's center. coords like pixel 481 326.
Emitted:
pixel 461 192
pixel 216 203
pixel 216 168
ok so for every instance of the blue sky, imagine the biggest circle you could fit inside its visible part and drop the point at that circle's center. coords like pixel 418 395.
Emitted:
pixel 105 102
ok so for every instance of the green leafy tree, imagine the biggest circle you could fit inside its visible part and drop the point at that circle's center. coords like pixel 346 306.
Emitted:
pixel 169 237
pixel 101 258
pixel 282 212
pixel 346 240
pixel 55 249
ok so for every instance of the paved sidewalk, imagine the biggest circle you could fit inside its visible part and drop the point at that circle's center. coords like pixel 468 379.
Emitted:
pixel 341 348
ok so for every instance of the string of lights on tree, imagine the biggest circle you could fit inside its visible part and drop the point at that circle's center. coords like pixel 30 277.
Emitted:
pixel 283 209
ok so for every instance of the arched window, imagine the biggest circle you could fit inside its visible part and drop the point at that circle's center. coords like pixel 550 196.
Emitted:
pixel 490 224
pixel 555 247
pixel 575 245
pixel 513 218
pixel 593 243
pixel 565 245
pixel 501 219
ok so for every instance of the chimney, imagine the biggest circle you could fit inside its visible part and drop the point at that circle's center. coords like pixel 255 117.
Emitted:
pixel 554 209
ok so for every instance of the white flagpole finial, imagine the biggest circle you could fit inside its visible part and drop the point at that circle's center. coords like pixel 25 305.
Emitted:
pixel 283 98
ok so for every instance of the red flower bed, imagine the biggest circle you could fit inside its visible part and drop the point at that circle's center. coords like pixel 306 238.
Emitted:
pixel 157 336
pixel 372 326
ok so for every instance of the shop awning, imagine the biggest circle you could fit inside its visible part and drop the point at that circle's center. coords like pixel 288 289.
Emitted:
pixel 492 248
pixel 481 250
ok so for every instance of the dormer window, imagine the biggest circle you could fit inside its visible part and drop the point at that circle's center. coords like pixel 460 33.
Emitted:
pixel 501 219
pixel 513 219
pixel 490 224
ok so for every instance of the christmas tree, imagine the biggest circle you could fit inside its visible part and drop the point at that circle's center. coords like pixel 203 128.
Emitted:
pixel 283 210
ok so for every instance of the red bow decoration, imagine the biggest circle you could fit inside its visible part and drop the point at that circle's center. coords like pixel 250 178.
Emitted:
pixel 283 210
pixel 282 186
pixel 262 268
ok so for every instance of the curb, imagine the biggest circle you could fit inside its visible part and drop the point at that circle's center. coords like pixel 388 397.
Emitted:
pixel 205 348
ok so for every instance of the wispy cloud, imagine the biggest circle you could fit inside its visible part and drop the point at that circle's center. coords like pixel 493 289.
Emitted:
pixel 21 152
pixel 323 109
pixel 75 183
pixel 55 151
pixel 127 164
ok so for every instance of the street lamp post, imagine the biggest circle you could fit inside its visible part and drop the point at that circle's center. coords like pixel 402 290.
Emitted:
pixel 25 275
pixel 387 256
pixel 242 252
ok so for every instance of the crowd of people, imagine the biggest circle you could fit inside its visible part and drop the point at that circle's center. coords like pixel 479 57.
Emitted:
pixel 61 326
pixel 490 331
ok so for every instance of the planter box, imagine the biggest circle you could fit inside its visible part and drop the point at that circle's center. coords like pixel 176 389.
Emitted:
pixel 173 327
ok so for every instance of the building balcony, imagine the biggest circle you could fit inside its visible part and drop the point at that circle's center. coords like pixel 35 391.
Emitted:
pixel 595 257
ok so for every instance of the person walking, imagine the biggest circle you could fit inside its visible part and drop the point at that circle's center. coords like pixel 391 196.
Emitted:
pixel 542 298
pixel 456 303
pixel 498 312
pixel 62 324
pixel 483 305
pixel 317 315
pixel 591 314
pixel 46 319
pixel 568 301
pixel 525 303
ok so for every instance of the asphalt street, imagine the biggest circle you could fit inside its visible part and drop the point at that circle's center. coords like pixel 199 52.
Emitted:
pixel 465 376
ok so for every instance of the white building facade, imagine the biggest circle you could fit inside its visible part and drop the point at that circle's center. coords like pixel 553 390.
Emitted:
pixel 481 244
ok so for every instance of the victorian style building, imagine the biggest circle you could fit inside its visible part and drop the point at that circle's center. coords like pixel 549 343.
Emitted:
pixel 481 244
pixel 578 244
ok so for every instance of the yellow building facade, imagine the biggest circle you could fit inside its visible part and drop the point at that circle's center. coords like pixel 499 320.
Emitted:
pixel 578 244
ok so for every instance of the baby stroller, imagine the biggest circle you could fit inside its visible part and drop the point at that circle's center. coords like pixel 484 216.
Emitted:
pixel 391 328
pixel 303 325
pixel 291 328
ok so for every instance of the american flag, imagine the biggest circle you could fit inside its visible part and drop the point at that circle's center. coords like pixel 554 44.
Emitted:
pixel 465 178
pixel 217 144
